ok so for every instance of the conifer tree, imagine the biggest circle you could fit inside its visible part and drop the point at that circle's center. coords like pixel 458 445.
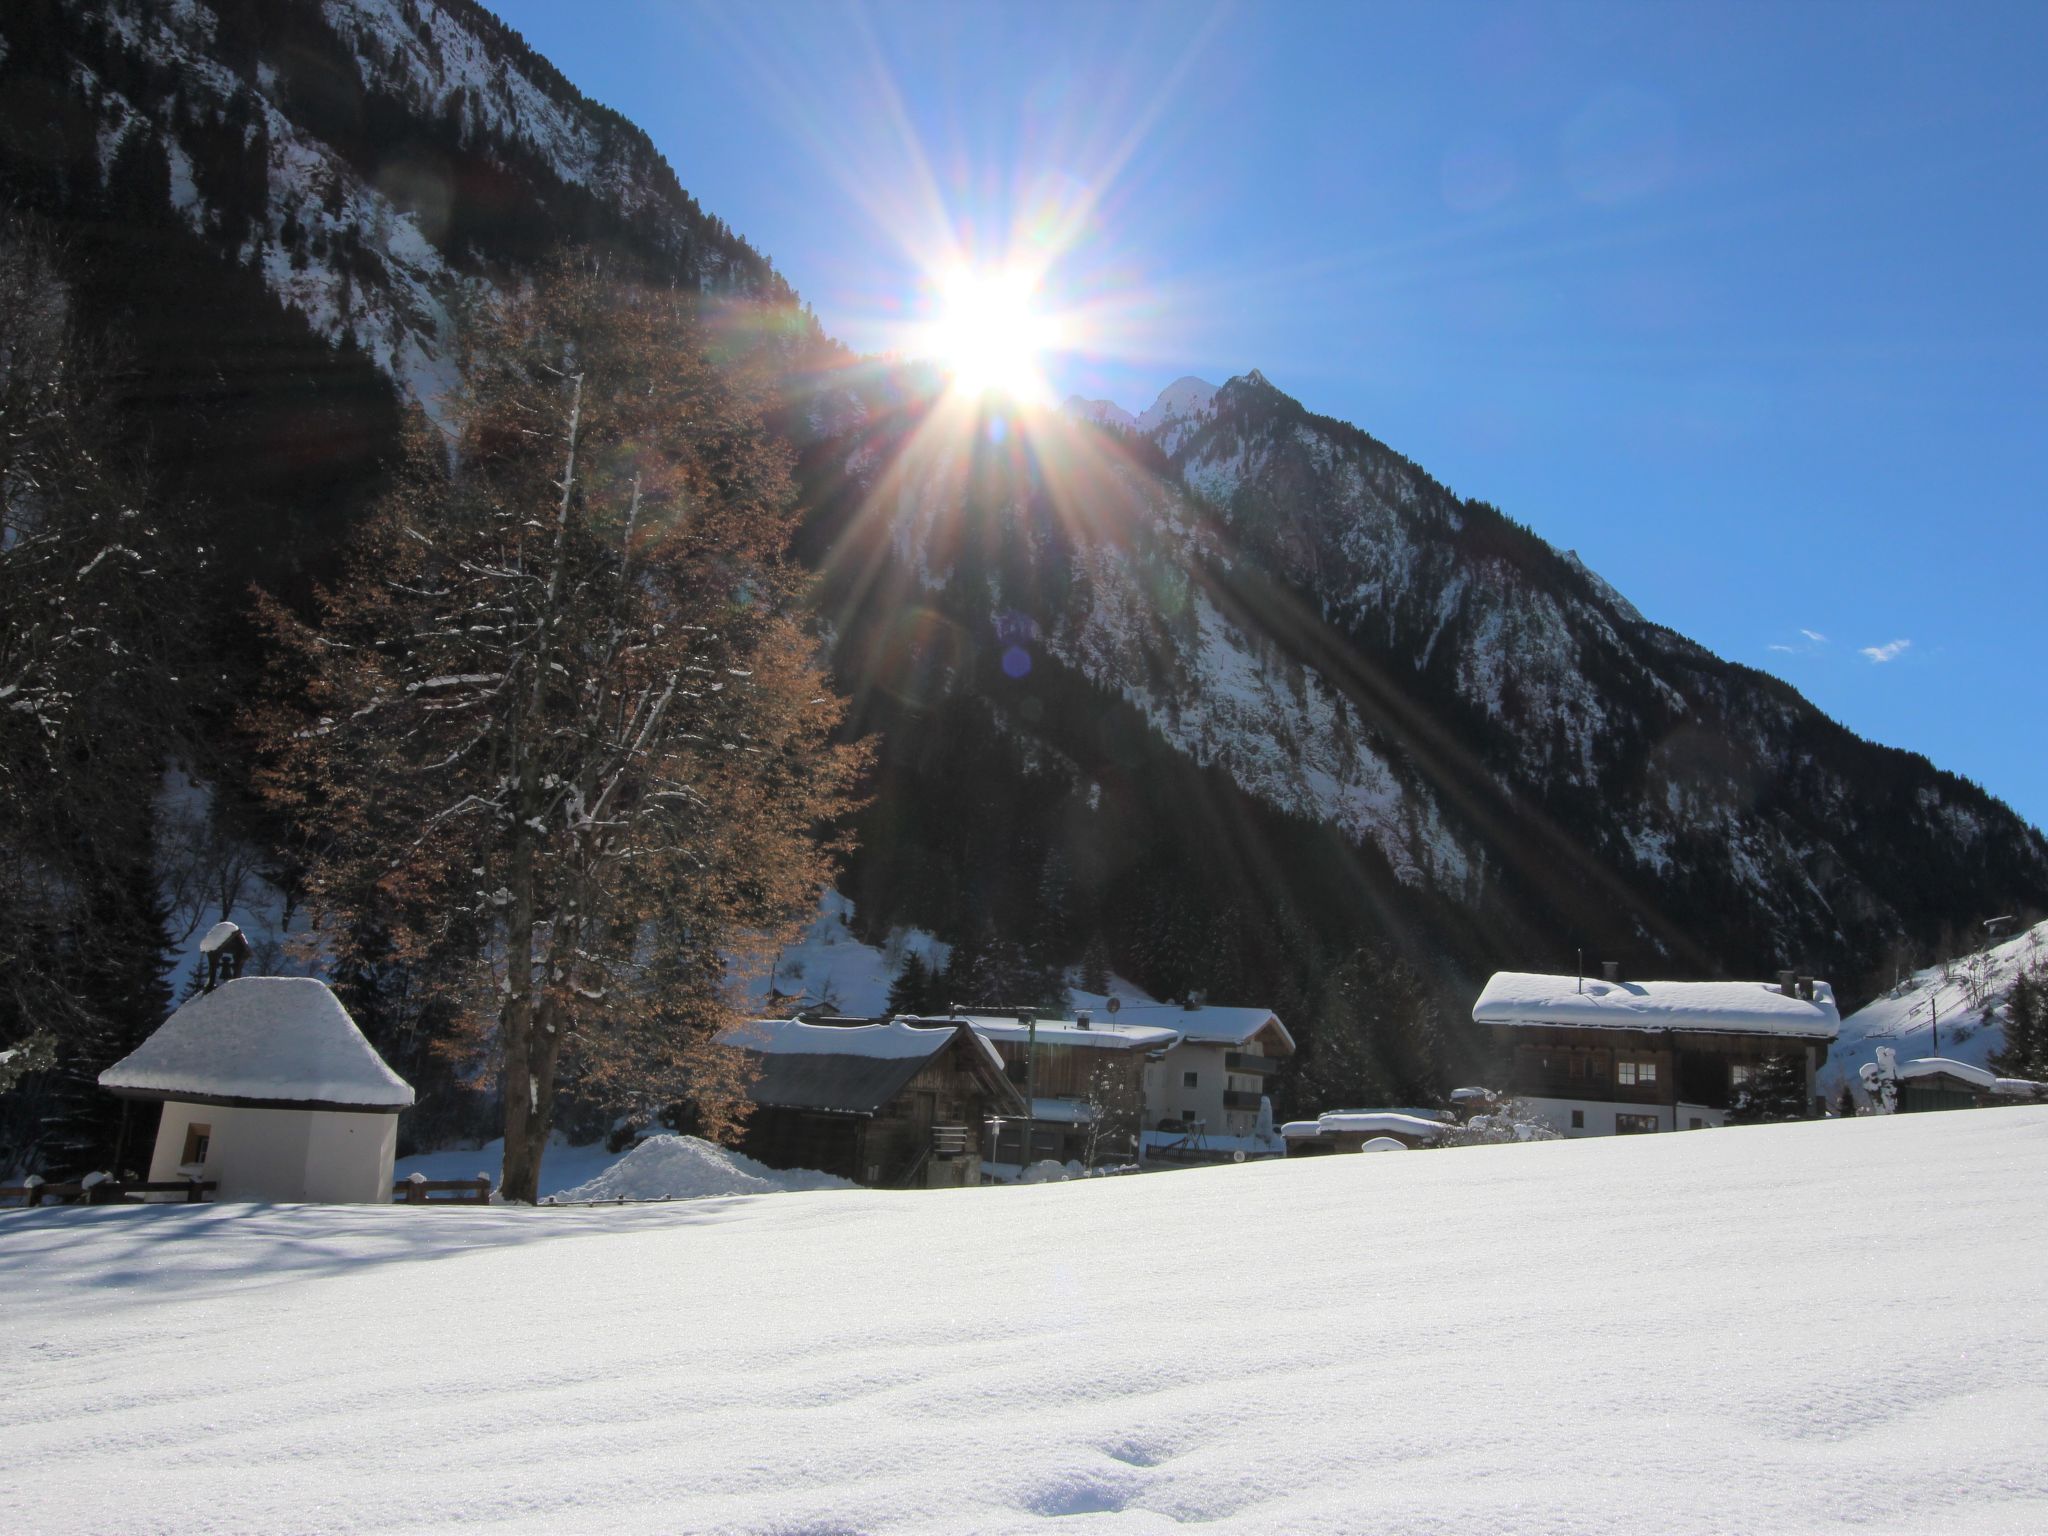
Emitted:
pixel 1775 1090
pixel 911 991
pixel 2025 1053
pixel 567 725
pixel 91 636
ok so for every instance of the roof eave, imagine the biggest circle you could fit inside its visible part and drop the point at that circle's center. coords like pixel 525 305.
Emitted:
pixel 243 1101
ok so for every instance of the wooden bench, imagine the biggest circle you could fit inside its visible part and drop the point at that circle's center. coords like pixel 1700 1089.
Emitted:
pixel 418 1190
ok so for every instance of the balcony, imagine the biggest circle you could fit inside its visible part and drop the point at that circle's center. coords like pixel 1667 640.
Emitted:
pixel 1238 1061
pixel 1235 1098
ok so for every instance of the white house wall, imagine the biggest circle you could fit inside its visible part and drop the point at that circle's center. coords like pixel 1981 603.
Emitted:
pixel 1599 1115
pixel 283 1155
pixel 1168 1098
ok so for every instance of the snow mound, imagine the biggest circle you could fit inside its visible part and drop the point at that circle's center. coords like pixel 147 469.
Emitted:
pixel 690 1168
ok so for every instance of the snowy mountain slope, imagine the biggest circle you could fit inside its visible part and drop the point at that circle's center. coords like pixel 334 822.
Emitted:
pixel 370 158
pixel 1963 999
pixel 1287 601
pixel 1432 1351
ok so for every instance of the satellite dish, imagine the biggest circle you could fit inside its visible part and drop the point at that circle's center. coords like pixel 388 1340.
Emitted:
pixel 1114 1003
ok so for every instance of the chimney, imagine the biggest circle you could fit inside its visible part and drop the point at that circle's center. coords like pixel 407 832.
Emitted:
pixel 1806 988
pixel 1082 1018
pixel 1610 970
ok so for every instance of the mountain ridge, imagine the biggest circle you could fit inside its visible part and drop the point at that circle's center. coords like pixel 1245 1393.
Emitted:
pixel 1282 693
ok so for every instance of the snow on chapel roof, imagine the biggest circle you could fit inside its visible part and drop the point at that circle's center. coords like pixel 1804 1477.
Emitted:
pixel 276 1040
pixel 1726 1007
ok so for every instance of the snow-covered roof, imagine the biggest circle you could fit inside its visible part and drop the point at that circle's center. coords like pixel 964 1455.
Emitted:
pixel 851 1068
pixel 1976 1076
pixel 1210 1024
pixel 1370 1122
pixel 893 1041
pixel 1723 1007
pixel 1100 1034
pixel 273 1040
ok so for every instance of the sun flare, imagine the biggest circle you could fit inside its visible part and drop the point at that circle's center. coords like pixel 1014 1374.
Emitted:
pixel 990 334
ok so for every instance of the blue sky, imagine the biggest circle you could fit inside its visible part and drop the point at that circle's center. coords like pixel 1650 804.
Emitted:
pixel 1746 303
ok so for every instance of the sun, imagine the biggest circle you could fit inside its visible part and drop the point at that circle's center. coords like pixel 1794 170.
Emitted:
pixel 990 334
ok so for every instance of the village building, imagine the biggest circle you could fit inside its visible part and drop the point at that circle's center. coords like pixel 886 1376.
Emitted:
pixel 1208 1095
pixel 1605 1057
pixel 1938 1082
pixel 894 1105
pixel 1089 1080
pixel 269 1091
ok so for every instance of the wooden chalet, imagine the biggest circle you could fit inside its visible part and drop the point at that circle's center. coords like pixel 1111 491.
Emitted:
pixel 1605 1057
pixel 1090 1083
pixel 895 1106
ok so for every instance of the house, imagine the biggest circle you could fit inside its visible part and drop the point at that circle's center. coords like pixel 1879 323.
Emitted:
pixel 1212 1086
pixel 270 1090
pixel 893 1105
pixel 1607 1057
pixel 1937 1082
pixel 1350 1130
pixel 1089 1080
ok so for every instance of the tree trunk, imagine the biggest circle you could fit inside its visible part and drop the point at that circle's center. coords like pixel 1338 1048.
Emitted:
pixel 519 1178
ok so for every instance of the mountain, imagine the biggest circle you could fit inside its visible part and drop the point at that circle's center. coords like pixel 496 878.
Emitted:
pixel 1255 685
pixel 1227 689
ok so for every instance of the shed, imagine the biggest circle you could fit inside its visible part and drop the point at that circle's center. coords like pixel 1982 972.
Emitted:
pixel 1940 1082
pixel 270 1090
pixel 882 1104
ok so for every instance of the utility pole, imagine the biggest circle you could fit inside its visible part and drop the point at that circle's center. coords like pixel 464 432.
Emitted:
pixel 1030 1023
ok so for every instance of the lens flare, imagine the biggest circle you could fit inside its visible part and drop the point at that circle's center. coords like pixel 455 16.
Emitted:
pixel 990 334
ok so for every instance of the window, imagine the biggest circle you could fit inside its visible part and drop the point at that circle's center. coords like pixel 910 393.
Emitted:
pixel 1630 1074
pixel 1697 1124
pixel 1188 1079
pixel 1739 1073
pixel 1578 1066
pixel 1578 1119
pixel 1634 1125
pixel 198 1140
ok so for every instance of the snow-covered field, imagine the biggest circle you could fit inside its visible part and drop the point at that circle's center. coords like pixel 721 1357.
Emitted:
pixel 1824 1325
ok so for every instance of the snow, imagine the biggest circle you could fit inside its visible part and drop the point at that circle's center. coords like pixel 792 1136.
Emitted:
pixel 1483 1340
pixel 1107 412
pixel 1103 1035
pixel 1966 996
pixel 1374 1122
pixel 1210 1024
pixel 893 1041
pixel 1935 1066
pixel 1383 1144
pixel 828 966
pixel 219 934
pixel 261 1037
pixel 562 1166
pixel 1738 1007
pixel 1181 407
pixel 690 1168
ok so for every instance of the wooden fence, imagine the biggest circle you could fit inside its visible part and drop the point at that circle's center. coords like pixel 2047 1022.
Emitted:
pixel 106 1191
